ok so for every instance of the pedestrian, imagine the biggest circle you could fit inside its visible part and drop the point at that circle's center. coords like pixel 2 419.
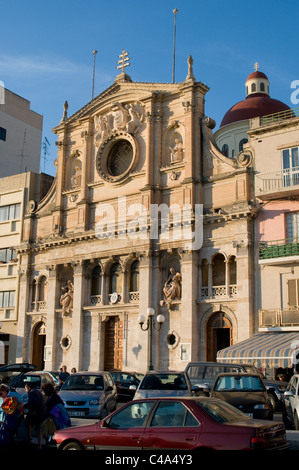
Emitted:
pixel 36 412
pixel 74 370
pixel 63 375
pixel 8 417
pixel 57 416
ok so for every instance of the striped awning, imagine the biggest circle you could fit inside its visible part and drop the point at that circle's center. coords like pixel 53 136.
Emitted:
pixel 267 349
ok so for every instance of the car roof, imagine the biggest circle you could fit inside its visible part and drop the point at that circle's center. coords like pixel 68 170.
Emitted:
pixel 90 372
pixel 165 372
pixel 20 367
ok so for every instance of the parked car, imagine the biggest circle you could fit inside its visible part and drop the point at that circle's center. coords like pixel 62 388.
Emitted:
pixel 38 378
pixel 164 383
pixel 246 392
pixel 203 374
pixel 89 394
pixel 123 380
pixel 290 412
pixel 179 423
pixel 15 370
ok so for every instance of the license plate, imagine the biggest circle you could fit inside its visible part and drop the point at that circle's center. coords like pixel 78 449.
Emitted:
pixel 76 413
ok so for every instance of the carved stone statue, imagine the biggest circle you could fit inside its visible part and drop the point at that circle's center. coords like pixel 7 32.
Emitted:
pixel 176 152
pixel 172 287
pixel 66 299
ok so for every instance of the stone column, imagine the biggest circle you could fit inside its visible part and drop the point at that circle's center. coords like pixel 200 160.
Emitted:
pixel 23 341
pixel 77 316
pixel 51 334
pixel 189 321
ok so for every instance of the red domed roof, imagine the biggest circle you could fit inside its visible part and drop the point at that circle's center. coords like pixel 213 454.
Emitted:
pixel 257 74
pixel 255 105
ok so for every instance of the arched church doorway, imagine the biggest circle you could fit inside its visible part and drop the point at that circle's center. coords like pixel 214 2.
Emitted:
pixel 114 331
pixel 38 344
pixel 219 334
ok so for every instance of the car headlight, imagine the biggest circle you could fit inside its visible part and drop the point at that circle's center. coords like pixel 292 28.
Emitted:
pixel 94 402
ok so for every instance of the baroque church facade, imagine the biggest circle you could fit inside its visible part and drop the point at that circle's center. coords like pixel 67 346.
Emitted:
pixel 98 251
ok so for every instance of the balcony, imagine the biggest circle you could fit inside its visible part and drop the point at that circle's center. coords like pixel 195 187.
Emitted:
pixel 277 183
pixel 279 249
pixel 279 318
pixel 273 118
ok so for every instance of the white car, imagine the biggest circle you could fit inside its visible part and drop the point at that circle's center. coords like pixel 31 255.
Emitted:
pixel 290 412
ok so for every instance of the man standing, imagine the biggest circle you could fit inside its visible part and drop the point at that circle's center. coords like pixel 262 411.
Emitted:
pixel 63 375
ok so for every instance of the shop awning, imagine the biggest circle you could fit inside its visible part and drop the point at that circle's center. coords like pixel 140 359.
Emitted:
pixel 267 349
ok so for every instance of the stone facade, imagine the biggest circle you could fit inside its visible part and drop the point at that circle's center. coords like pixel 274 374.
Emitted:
pixel 136 147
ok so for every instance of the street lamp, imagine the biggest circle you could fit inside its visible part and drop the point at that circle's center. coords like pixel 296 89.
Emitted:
pixel 150 324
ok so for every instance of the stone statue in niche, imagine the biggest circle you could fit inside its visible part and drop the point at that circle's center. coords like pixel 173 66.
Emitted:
pixel 176 152
pixel 76 177
pixel 66 299
pixel 172 287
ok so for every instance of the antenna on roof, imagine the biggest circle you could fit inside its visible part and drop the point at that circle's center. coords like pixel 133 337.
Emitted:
pixel 93 71
pixel 46 143
pixel 175 11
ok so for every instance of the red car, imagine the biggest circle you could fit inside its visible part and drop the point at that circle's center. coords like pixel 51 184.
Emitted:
pixel 179 423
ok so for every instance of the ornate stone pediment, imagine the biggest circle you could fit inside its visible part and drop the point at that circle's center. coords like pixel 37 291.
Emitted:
pixel 120 117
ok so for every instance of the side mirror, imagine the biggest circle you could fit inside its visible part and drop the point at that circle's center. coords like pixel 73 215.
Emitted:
pixel 288 394
pixel 133 387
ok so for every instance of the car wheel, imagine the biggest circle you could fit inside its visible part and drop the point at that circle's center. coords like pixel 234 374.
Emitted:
pixel 72 445
pixel 285 419
pixel 296 421
pixel 274 402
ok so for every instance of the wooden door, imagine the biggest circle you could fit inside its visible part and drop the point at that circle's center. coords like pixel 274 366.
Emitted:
pixel 113 344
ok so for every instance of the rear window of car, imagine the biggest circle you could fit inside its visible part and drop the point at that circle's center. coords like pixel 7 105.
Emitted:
pixel 164 382
pixel 222 412
pixel 238 383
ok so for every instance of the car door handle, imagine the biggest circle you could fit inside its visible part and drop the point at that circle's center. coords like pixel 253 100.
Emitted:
pixel 191 438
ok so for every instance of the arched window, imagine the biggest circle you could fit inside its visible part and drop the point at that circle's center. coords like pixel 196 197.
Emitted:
pixel 253 87
pixel 225 150
pixel 96 281
pixel 134 277
pixel 115 279
pixel 242 143
pixel 262 86
pixel 218 271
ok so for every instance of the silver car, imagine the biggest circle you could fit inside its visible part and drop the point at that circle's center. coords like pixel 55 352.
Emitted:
pixel 89 394
pixel 290 411
pixel 164 384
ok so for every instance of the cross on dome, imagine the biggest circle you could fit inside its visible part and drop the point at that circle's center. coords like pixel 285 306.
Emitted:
pixel 256 66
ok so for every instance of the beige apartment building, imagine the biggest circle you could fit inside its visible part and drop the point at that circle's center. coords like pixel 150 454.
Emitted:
pixel 20 135
pixel 144 212
pixel 15 192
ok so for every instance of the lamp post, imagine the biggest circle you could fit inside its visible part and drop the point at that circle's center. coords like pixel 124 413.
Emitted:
pixel 150 325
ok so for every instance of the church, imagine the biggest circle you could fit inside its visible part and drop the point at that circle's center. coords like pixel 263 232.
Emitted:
pixel 147 224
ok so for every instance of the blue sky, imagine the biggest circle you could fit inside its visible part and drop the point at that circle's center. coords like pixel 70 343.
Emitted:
pixel 46 49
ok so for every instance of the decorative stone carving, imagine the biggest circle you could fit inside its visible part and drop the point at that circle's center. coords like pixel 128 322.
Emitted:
pixel 126 118
pixel 66 299
pixel 172 287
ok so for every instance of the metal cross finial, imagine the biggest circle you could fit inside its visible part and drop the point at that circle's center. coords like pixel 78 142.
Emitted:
pixel 256 66
pixel 123 61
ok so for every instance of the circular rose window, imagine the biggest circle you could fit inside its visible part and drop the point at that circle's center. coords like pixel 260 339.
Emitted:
pixel 119 158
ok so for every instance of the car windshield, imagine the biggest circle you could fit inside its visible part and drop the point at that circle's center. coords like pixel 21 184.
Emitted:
pixel 84 382
pixel 164 382
pixel 238 383
pixel 222 411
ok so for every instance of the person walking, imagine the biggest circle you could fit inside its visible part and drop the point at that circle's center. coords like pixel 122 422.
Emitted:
pixel 63 375
pixel 36 412
pixel 9 414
